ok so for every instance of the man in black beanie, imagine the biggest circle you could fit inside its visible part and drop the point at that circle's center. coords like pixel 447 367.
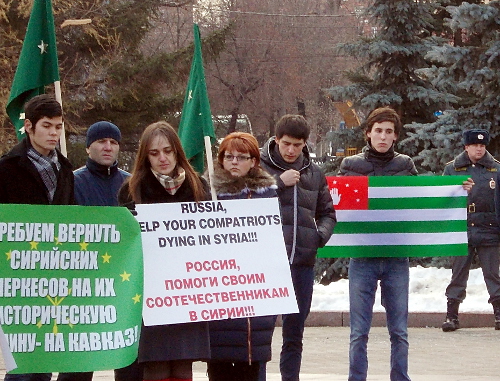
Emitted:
pixel 483 229
pixel 97 184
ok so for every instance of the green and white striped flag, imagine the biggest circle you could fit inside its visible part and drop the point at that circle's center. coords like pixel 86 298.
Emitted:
pixel 398 216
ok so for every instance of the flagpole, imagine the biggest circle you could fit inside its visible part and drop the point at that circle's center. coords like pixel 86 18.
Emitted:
pixel 210 163
pixel 62 140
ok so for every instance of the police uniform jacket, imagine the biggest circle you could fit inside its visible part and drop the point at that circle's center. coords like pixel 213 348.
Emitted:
pixel 482 221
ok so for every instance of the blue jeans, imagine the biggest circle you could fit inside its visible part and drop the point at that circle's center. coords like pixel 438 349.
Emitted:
pixel 364 274
pixel 293 324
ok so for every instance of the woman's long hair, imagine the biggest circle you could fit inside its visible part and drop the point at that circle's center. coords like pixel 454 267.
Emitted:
pixel 142 165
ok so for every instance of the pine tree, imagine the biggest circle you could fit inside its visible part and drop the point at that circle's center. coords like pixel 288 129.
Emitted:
pixel 469 67
pixel 391 58
pixel 403 34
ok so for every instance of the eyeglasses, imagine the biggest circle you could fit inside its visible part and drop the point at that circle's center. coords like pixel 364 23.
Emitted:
pixel 229 157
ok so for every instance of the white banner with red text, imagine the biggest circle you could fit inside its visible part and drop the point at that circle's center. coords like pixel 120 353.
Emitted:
pixel 214 260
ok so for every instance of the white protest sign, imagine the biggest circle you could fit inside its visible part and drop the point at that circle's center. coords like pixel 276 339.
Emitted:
pixel 214 260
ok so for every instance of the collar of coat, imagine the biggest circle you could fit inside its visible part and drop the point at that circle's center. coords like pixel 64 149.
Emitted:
pixel 271 157
pixel 257 180
pixel 21 150
pixel 462 160
pixel 100 170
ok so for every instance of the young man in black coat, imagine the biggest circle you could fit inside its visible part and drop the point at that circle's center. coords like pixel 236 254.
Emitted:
pixel 35 172
pixel 308 221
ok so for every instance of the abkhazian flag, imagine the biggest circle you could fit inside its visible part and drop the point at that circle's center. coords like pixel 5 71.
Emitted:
pixel 37 66
pixel 398 216
pixel 196 119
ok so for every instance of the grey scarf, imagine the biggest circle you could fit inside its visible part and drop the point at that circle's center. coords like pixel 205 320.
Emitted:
pixel 47 167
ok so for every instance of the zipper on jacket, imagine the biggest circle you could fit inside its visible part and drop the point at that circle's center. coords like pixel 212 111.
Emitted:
pixel 249 338
pixel 292 254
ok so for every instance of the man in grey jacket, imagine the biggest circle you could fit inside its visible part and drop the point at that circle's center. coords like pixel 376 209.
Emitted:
pixel 482 225
pixel 308 221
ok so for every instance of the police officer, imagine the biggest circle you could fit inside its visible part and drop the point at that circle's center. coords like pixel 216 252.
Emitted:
pixel 483 227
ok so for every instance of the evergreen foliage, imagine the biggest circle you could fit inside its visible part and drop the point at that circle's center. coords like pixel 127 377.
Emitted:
pixel 468 67
pixel 388 76
pixel 390 60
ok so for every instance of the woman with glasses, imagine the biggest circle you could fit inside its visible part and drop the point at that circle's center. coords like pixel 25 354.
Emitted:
pixel 162 174
pixel 240 348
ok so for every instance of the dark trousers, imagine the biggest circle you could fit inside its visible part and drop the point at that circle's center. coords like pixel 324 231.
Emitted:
pixel 489 259
pixel 233 371
pixel 28 377
pixel 293 324
pixel 133 372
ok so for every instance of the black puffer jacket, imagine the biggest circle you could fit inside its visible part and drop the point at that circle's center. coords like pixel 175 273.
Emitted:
pixel 306 208
pixel 482 224
pixel 21 183
pixel 372 163
pixel 247 338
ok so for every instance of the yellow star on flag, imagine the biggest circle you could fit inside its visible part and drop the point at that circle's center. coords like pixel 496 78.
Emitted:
pixel 9 255
pixel 57 241
pixel 33 245
pixel 105 258
pixel 125 276
pixel 136 298
pixel 83 245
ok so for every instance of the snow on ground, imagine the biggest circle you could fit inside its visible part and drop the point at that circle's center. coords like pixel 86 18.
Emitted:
pixel 427 287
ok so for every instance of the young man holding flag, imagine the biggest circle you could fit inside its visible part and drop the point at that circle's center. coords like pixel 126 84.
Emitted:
pixel 378 158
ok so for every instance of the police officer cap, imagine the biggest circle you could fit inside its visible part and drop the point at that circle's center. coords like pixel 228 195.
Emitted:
pixel 102 130
pixel 477 136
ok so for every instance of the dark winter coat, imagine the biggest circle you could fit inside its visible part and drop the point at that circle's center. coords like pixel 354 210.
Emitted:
pixel 306 208
pixel 98 185
pixel 189 341
pixel 372 163
pixel 229 339
pixel 482 223
pixel 21 183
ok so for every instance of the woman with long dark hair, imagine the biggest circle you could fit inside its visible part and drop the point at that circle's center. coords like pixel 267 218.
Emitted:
pixel 162 174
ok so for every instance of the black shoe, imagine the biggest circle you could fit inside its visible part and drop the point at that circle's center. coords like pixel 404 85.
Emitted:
pixel 497 325
pixel 451 325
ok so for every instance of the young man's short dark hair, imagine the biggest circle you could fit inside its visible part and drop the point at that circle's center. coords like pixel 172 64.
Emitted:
pixel 383 114
pixel 41 106
pixel 295 126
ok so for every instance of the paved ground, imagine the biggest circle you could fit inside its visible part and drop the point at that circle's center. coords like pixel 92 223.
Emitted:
pixel 469 354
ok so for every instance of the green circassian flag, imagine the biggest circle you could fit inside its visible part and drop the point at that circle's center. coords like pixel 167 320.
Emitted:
pixel 38 65
pixel 398 216
pixel 196 120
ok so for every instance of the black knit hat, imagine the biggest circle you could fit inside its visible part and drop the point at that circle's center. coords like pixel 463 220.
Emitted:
pixel 477 136
pixel 102 130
